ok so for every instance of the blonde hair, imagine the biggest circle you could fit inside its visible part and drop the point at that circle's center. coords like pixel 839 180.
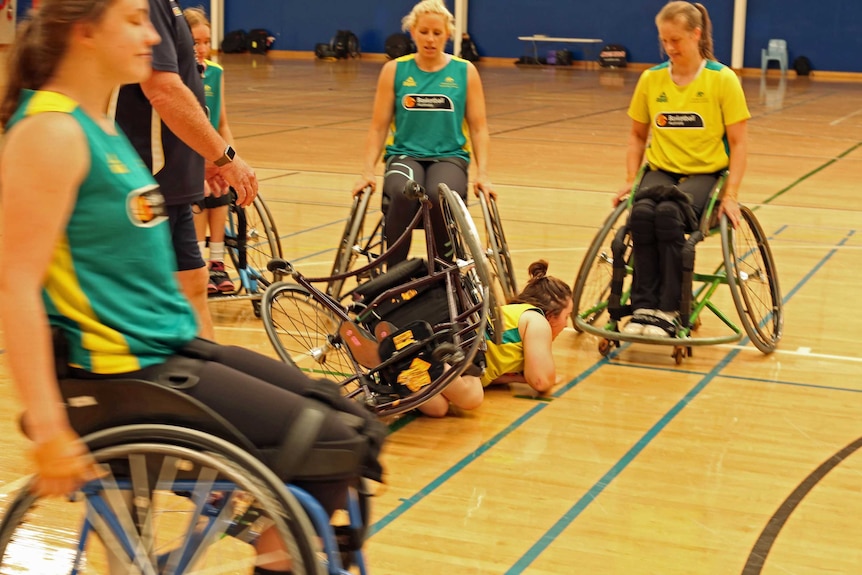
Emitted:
pixel 429 7
pixel 196 17
pixel 547 293
pixel 692 15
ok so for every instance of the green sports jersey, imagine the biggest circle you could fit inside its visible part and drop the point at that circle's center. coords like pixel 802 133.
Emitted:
pixel 110 285
pixel 212 91
pixel 687 124
pixel 429 111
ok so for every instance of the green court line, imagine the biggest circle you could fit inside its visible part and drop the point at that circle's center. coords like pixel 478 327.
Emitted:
pixel 811 173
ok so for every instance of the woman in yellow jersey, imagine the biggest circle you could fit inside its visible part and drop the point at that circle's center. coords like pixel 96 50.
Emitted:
pixel 531 322
pixel 429 122
pixel 692 111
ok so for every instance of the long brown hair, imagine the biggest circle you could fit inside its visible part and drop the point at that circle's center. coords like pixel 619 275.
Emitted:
pixel 547 293
pixel 41 41
pixel 694 15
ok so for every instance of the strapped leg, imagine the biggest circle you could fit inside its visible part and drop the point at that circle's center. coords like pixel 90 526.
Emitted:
pixel 646 281
pixel 670 234
pixel 398 209
pixel 618 249
pixel 687 277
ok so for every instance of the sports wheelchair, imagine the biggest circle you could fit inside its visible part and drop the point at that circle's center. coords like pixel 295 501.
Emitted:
pixel 183 492
pixel 401 336
pixel 603 285
pixel 356 247
pixel 251 241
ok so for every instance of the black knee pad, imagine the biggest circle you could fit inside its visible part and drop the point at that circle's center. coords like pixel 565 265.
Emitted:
pixel 642 221
pixel 669 222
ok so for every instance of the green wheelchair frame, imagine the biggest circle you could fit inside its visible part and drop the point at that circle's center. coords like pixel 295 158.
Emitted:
pixel 602 287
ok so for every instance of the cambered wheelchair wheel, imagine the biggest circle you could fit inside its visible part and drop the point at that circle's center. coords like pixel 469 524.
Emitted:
pixel 252 240
pixel 304 332
pixel 173 501
pixel 593 282
pixel 355 247
pixel 469 256
pixel 502 270
pixel 753 280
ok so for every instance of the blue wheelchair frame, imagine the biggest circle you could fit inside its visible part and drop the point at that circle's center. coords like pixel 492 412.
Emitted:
pixel 128 418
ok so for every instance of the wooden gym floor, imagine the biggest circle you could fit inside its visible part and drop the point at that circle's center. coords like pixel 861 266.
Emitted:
pixel 733 462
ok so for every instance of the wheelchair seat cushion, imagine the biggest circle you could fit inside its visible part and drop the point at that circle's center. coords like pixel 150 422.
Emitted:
pixel 408 358
pixel 428 302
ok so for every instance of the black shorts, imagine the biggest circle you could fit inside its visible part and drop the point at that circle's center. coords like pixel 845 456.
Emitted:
pixel 185 238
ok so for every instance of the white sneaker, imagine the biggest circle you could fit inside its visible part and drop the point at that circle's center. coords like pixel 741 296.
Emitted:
pixel 634 326
pixel 655 331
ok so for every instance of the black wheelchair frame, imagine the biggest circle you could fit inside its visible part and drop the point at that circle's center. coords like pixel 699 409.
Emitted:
pixel 357 246
pixel 315 330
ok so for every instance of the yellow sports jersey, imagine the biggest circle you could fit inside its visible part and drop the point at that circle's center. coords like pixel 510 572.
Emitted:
pixel 508 356
pixel 687 124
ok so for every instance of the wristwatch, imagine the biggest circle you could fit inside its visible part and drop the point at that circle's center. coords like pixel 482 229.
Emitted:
pixel 227 157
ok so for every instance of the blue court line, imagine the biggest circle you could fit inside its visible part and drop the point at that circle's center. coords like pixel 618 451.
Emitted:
pixel 791 383
pixel 568 518
pixel 305 230
pixel 409 502
pixel 449 473
pixel 545 540
pixel 738 377
pixel 311 229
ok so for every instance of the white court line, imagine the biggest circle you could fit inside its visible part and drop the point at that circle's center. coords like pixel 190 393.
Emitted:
pixel 13 486
pixel 800 352
pixel 850 115
pixel 239 328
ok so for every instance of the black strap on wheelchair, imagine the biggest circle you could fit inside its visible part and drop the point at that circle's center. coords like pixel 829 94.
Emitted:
pixel 241 236
pixel 302 456
pixel 400 273
pixel 371 433
pixel 688 276
pixel 298 441
pixel 618 249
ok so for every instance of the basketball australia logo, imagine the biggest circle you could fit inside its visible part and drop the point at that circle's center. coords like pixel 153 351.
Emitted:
pixel 427 103
pixel 146 206
pixel 679 120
